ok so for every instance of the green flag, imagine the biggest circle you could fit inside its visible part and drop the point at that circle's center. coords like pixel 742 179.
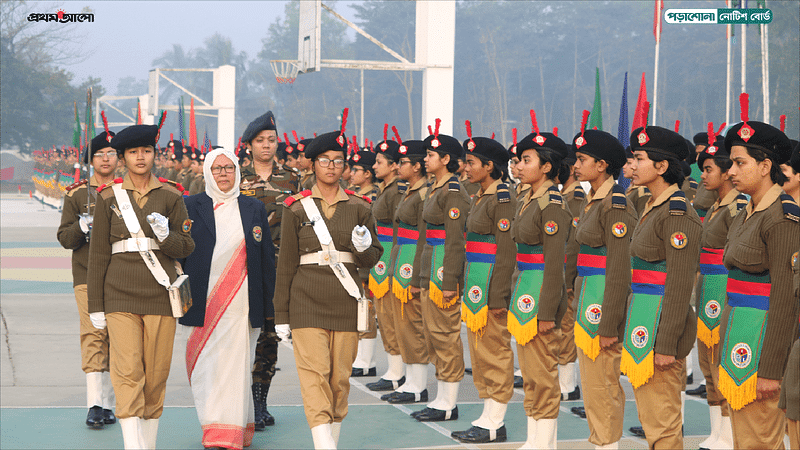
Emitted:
pixel 89 120
pixel 76 131
pixel 596 118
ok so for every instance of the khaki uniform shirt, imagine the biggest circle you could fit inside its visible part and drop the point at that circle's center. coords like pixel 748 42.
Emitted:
pixel 574 197
pixel 69 233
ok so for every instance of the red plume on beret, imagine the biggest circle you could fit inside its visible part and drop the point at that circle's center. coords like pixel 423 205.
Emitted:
pixel 471 144
pixel 539 139
pixel 430 130
pixel 677 125
pixel 711 135
pixel 514 135
pixel 745 132
pixel 436 129
pixel 385 131
pixel 581 140
pixel 783 123
pixel 555 131
pixel 396 135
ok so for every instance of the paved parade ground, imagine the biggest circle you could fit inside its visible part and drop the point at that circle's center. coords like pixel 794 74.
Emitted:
pixel 42 395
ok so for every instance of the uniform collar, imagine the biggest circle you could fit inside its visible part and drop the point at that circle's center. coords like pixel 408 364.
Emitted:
pixel 769 198
pixel 93 181
pixel 729 198
pixel 127 184
pixel 422 182
pixel 388 182
pixel 605 188
pixel 571 187
pixel 364 190
pixel 530 196
pixel 341 195
pixel 440 183
pixel 492 189
pixel 673 188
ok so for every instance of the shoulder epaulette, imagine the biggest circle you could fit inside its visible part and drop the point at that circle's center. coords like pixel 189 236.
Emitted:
pixel 738 204
pixel 402 186
pixel 579 193
pixel 174 184
pixel 677 204
pixel 618 198
pixel 692 184
pixel 454 184
pixel 790 209
pixel 76 185
pixel 103 186
pixel 503 196
pixel 551 196
pixel 293 198
pixel 353 193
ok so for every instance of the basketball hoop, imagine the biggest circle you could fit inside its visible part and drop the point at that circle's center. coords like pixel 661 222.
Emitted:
pixel 285 70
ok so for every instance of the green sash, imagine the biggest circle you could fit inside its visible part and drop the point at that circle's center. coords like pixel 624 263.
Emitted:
pixel 434 236
pixel 481 250
pixel 713 282
pixel 379 274
pixel 592 269
pixel 404 263
pixel 524 307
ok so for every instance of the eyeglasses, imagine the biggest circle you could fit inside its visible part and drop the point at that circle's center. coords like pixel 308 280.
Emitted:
pixel 104 155
pixel 216 170
pixel 325 162
pixel 404 161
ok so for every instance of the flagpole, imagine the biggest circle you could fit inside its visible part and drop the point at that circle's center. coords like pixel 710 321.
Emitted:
pixel 729 71
pixel 744 58
pixel 658 45
pixel 765 70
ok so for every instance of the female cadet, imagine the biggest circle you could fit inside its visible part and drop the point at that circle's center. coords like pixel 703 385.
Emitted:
pixel 407 273
pixel 710 286
pixel 487 286
pixel 442 271
pixel 604 277
pixel 759 323
pixel 661 325
pixel 326 233
pixel 126 254
pixel 380 276
pixel 538 303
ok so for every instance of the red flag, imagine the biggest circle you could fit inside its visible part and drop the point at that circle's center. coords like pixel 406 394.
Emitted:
pixel 138 112
pixel 640 116
pixel 657 19
pixel 192 126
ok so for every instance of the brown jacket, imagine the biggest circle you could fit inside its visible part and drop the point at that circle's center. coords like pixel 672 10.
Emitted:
pixel 409 211
pixel 574 197
pixel 69 233
pixel 385 206
pixel 638 196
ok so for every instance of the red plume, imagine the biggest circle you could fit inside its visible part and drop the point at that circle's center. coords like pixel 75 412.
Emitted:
pixel 436 129
pixel 677 125
pixel 744 103
pixel 294 133
pixel 430 130
pixel 396 134
pixel 711 135
pixel 514 135
pixel 555 131
pixel 171 138
pixel 344 121
pixel 105 121
pixel 783 123
pixel 286 138
pixel 471 145
pixel 534 125
pixel 492 134
pixel 385 131
pixel 584 120
pixel 721 127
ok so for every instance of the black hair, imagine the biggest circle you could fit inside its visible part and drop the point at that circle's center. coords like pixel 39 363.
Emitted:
pixel 555 160
pixel 775 172
pixel 723 163
pixel 497 173
pixel 674 173
pixel 418 159
pixel 452 166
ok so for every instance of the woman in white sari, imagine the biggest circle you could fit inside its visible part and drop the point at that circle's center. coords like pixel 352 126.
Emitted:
pixel 232 276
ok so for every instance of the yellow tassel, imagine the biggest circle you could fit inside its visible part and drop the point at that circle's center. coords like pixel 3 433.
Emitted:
pixel 589 345
pixel 706 336
pixel 475 322
pixel 738 396
pixel 523 333
pixel 638 374
pixel 437 297
pixel 378 289
pixel 402 294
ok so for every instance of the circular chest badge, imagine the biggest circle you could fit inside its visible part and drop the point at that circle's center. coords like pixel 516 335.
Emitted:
pixel 741 355
pixel 475 294
pixel 440 274
pixel 526 303
pixel 639 337
pixel 380 268
pixel 619 229
pixel 454 213
pixel 257 233
pixel 678 240
pixel 575 222
pixel 551 228
pixel 593 313
pixel 405 271
pixel 503 224
pixel 713 309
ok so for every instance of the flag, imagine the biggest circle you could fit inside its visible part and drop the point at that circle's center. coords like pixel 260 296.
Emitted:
pixel 657 20
pixel 138 112
pixel 622 130
pixel 640 115
pixel 89 123
pixel 192 125
pixel 76 131
pixel 596 119
pixel 206 142
pixel 180 121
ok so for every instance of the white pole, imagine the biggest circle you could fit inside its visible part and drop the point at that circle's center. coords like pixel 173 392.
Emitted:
pixel 655 76
pixel 224 98
pixel 361 128
pixel 744 58
pixel 765 68
pixel 435 45
pixel 729 70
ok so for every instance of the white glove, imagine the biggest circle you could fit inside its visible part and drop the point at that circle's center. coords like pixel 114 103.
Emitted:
pixel 85 222
pixel 283 331
pixel 159 224
pixel 361 238
pixel 98 320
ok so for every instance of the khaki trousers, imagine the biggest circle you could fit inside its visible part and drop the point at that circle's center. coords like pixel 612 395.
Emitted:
pixel 386 308
pixel 373 329
pixel 793 430
pixel 603 397
pixel 443 334
pixel 759 425
pixel 492 358
pixel 94 342
pixel 568 351
pixel 659 405
pixel 410 332
pixel 538 360
pixel 707 366
pixel 141 354
pixel 324 361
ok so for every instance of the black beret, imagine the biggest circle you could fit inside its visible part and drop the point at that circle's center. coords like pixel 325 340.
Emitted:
pixel 265 122
pixel 700 139
pixel 389 149
pixel 602 146
pixel 659 140
pixel 101 141
pixel 543 141
pixel 281 151
pixel 411 147
pixel 301 146
pixel 488 149
pixel 444 144
pixel 135 136
pixel 717 150
pixel 628 152
pixel 363 158
pixel 324 142
pixel 760 136
pixel 794 161
pixel 686 168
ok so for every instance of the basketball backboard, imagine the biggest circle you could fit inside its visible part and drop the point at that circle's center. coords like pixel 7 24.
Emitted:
pixel 309 37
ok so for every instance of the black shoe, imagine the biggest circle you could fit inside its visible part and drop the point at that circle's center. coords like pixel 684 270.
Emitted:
pixel 704 395
pixel 468 371
pixel 364 372
pixel 408 397
pixel 518 383
pixel 572 396
pixel 579 411
pixel 268 419
pixel 260 391
pixel 108 417
pixel 637 431
pixel 385 385
pixel 690 379
pixel 478 435
pixel 436 415
pixel 95 417
pixel 699 390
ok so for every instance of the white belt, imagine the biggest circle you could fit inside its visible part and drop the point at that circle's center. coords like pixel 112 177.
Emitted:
pixel 324 258
pixel 134 245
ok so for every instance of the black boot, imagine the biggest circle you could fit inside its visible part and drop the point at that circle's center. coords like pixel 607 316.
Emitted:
pixel 260 391
pixel 94 418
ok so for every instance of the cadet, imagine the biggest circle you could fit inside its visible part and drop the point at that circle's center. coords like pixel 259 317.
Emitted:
pixel 272 184
pixel 73 234
pixel 759 255
pixel 184 177
pixel 704 198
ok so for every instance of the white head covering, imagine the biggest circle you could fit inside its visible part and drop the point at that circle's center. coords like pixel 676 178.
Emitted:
pixel 211 186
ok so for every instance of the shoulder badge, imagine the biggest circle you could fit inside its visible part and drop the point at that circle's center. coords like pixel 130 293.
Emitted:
pixel 291 199
pixel 103 186
pixel 692 184
pixel 503 224
pixel 737 205
pixel 454 213
pixel 618 198
pixel 579 193
pixel 677 204
pixel 174 184
pixel 619 229
pixel 402 186
pixel 76 185
pixel 551 196
pixel 550 227
pixel 790 209
pixel 678 240
pixel 503 196
pixel 454 184
pixel 362 197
